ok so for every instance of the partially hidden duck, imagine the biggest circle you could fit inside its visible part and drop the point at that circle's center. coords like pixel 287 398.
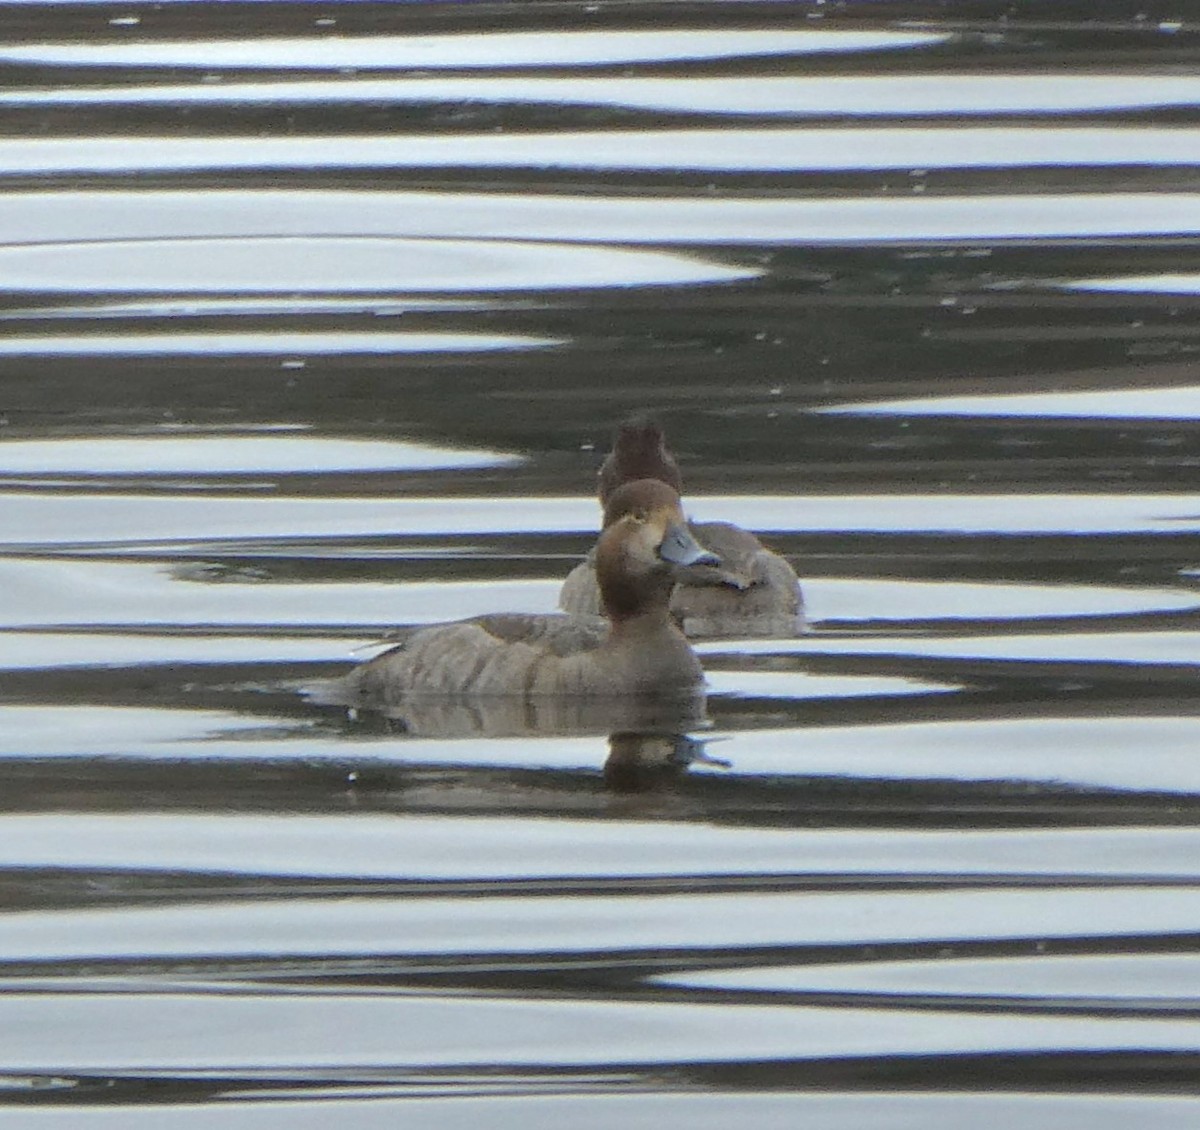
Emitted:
pixel 751 592
pixel 640 651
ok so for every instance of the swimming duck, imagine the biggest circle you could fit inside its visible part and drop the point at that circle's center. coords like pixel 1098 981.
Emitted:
pixel 752 592
pixel 642 651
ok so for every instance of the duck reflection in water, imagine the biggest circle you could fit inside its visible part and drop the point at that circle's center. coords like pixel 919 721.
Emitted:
pixel 751 591
pixel 640 651
pixel 650 746
pixel 511 716
pixel 641 762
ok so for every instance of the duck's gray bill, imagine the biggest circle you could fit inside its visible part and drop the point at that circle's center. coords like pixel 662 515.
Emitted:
pixel 680 548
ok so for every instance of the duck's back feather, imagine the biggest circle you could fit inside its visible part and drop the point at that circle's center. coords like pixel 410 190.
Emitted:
pixel 559 632
pixel 448 659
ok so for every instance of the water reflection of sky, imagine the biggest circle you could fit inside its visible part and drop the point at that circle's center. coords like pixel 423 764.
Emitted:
pixel 284 264
pixel 194 305
pixel 730 150
pixel 364 844
pixel 1096 976
pixel 546 47
pixel 58 592
pixel 593 218
pixel 1139 284
pixel 232 454
pixel 1148 404
pixel 1147 648
pixel 94 592
pixel 425 1035
pixel 1076 751
pixel 868 96
pixel 64 518
pixel 1079 752
pixel 259 344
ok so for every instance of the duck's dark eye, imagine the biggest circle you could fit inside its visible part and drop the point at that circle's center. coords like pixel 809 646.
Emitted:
pixel 640 517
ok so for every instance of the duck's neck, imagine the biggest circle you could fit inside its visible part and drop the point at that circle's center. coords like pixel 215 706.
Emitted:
pixel 637 605
pixel 646 622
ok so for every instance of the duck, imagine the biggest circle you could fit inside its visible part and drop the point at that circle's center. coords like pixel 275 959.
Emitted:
pixel 641 650
pixel 752 592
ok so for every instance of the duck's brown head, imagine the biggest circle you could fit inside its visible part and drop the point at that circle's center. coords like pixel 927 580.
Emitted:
pixel 645 540
pixel 639 452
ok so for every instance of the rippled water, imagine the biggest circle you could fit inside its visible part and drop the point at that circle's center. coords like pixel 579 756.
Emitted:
pixel 315 322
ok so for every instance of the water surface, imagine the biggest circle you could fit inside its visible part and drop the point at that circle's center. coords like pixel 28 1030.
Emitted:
pixel 317 323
